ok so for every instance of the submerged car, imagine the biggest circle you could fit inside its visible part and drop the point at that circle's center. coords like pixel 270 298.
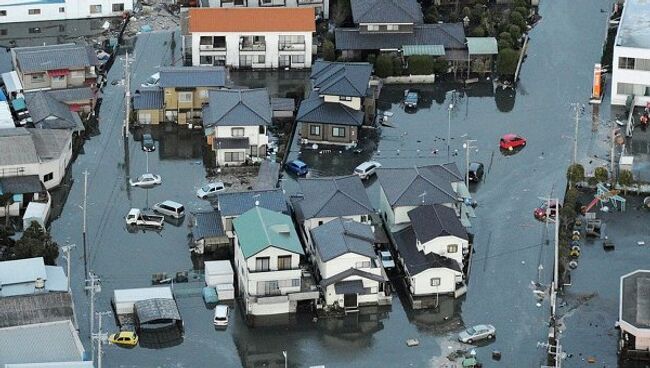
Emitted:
pixel 152 81
pixel 366 169
pixel 210 190
pixel 387 260
pixel 297 167
pixel 411 99
pixel 478 332
pixel 124 338
pixel 510 142
pixel 221 316
pixel 475 172
pixel 146 180
pixel 543 211
pixel 148 144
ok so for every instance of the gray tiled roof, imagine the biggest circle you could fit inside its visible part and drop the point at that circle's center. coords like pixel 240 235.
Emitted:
pixel 450 35
pixel 36 308
pixel 315 110
pixel 192 76
pixel 351 272
pixel 207 225
pixel 236 203
pixel 331 197
pixel 148 99
pixel 386 11
pixel 21 185
pixel 239 107
pixel 72 94
pixel 17 147
pixel 405 186
pixel 50 143
pixel 232 143
pixel 40 343
pixel 341 79
pixel 283 104
pixel 42 105
pixel 43 58
pixel 417 261
pixel 432 221
pixel 339 236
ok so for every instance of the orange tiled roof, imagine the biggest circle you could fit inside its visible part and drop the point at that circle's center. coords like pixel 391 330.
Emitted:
pixel 252 20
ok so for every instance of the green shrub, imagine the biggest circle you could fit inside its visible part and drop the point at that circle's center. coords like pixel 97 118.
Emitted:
pixel 626 179
pixel 372 59
pixel 522 10
pixel 478 31
pixel 440 66
pixel 398 66
pixel 515 33
pixel 507 61
pixel 575 173
pixel 384 66
pixel 601 175
pixel 517 19
pixel 431 15
pixel 420 65
pixel 329 50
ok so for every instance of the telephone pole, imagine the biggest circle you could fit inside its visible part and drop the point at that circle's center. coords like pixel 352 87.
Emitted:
pixel 578 107
pixel 92 285
pixel 99 337
pixel 83 207
pixel 467 145
pixel 66 255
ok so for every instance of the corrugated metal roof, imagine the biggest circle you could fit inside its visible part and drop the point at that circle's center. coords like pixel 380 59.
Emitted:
pixel 482 46
pixel 386 11
pixel 22 270
pixel 157 310
pixel 134 295
pixel 331 197
pixel 259 228
pixel 339 236
pixel 40 343
pixel 431 50
pixel 192 76
pixel 235 203
pixel 239 107
pixel 283 104
pixel 43 58
pixel 35 308
pixel 17 147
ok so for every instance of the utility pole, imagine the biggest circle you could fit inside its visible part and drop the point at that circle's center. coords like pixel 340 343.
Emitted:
pixel 66 255
pixel 127 86
pixel 99 337
pixel 467 145
pixel 612 154
pixel 94 287
pixel 84 221
pixel 449 108
pixel 578 108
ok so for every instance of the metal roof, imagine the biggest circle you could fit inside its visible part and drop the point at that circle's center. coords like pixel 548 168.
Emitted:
pixel 235 203
pixel 192 76
pixel 341 79
pixel 134 295
pixel 283 104
pixel 430 50
pixel 36 308
pixel 450 35
pixel 70 95
pixel 207 225
pixel 50 143
pixel 633 30
pixel 148 99
pixel 315 110
pixel 232 143
pixel 259 228
pixel 17 147
pixel 351 272
pixel 417 261
pixel 40 343
pixel 218 267
pixel 331 197
pixel 386 11
pixel 635 299
pixel 432 221
pixel 44 58
pixel 338 237
pixel 350 287
pixel 482 46
pixel 239 107
pixel 21 184
pixel 22 270
pixel 43 105
pixel 157 310
pixel 414 186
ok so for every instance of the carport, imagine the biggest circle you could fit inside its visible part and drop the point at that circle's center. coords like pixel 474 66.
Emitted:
pixel 157 313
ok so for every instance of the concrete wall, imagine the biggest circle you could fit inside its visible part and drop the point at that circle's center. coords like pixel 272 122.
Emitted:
pixel 637 77
pixel 72 9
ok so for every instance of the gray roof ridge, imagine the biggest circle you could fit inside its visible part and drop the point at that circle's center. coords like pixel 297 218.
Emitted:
pixel 346 194
pixel 241 100
pixel 407 186
pixel 233 106
pixel 439 219
pixel 432 183
pixel 450 35
pixel 444 166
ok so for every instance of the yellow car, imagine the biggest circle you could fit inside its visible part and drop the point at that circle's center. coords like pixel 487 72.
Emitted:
pixel 124 338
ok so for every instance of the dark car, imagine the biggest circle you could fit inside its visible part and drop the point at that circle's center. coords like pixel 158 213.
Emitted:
pixel 411 98
pixel 475 172
pixel 297 167
pixel 147 143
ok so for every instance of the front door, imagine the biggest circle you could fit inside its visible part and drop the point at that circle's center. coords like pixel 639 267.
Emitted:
pixel 350 300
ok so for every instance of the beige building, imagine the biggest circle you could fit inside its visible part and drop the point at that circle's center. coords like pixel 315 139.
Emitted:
pixel 148 106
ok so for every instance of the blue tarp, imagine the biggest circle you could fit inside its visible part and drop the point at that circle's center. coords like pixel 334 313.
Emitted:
pixel 210 295
pixel 19 104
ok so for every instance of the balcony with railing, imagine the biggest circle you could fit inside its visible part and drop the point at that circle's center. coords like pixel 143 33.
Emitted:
pixel 291 46
pixel 208 43
pixel 255 43
pixel 309 2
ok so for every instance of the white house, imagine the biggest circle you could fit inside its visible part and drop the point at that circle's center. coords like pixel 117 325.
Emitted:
pixel 267 262
pixel 631 60
pixel 633 315
pixel 321 7
pixel 255 38
pixel 351 274
pixel 235 123
pixel 42 152
pixel 438 230
pixel 30 276
pixel 13 11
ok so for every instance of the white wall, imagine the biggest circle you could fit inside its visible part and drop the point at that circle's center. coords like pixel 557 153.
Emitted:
pixel 74 9
pixel 345 262
pixel 56 166
pixel 354 104
pixel 439 246
pixel 250 132
pixel 421 283
pixel 332 297
pixel 639 77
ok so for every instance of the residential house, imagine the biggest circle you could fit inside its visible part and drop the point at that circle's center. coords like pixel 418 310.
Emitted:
pixel 396 25
pixel 49 113
pixel 30 276
pixel 235 123
pixel 481 54
pixel 16 11
pixel 23 189
pixel 321 7
pixel 321 200
pixel 207 233
pixel 148 105
pixel 42 152
pixel 186 90
pixel 351 273
pixel 631 60
pixel 56 66
pixel 403 189
pixel 233 204
pixel 634 326
pixel 255 38
pixel 267 262
pixel 335 109
pixel 438 230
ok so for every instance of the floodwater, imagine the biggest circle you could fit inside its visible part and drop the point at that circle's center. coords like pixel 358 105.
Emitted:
pixel 509 244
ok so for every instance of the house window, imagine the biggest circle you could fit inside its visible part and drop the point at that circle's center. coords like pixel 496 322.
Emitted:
pixel 245 60
pixel 95 9
pixel 34 30
pixel 58 78
pixel 314 130
pixel 625 63
pixel 61 28
pixel 262 263
pixel 435 281
pixel 364 264
pixel 3 13
pixel 184 96
pixel 392 27
pixel 284 262
pixel 452 248
pixel 268 288
pixel 233 156
pixel 284 60
pixel 345 98
pixel 34 11
pixel 37 78
pixel 297 59
pixel 48 177
pixel 373 27
pixel 237 132
pixel 61 10
pixel 261 59
pixel 119 7
pixel 205 60
pixel 364 218
pixel 3 32
pixel 338 132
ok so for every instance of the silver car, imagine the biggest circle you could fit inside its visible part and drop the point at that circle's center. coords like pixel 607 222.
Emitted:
pixel 478 332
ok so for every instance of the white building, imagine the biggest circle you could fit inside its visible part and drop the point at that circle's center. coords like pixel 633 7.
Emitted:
pixel 30 276
pixel 321 7
pixel 43 152
pixel 631 60
pixel 255 38
pixel 634 315
pixel 14 11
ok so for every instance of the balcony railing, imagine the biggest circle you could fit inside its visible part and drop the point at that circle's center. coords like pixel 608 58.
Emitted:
pixel 309 2
pixel 252 47
pixel 291 47
pixel 212 47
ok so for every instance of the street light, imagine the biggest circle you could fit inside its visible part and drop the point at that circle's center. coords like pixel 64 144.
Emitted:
pixel 451 107
pixel 467 146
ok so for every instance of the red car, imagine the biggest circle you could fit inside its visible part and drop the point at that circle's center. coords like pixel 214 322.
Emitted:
pixel 541 213
pixel 511 141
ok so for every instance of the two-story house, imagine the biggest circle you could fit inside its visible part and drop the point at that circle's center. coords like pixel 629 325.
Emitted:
pixel 185 90
pixel 321 7
pixel 267 262
pixel 235 122
pixel 37 11
pixel 350 272
pixel 255 38
pixel 335 109
pixel 395 25
pixel 55 66
pixel 232 204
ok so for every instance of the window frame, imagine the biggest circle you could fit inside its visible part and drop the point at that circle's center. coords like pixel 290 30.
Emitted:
pixel 452 246
pixel 95 8
pixel 35 11
pixel 118 10
pixel 234 132
pixel 337 129
pixel 314 127
pixel 262 264
pixel 47 177
pixel 435 281
pixel 282 262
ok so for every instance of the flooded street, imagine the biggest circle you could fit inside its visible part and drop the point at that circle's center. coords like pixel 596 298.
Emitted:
pixel 510 245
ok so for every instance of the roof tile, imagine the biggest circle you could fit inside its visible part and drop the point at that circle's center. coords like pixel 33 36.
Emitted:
pixel 252 20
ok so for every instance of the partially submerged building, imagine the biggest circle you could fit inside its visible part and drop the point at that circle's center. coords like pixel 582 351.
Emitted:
pixel 634 315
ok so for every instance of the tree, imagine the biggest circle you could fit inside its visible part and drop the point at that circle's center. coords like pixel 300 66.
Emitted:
pixel 6 199
pixel 6 245
pixel 507 62
pixel 398 66
pixel 478 31
pixel 420 65
pixel 626 179
pixel 431 15
pixel 517 19
pixel 36 242
pixel 515 33
pixel 440 66
pixel 601 175
pixel 329 51
pixel 342 11
pixel 575 173
pixel 384 66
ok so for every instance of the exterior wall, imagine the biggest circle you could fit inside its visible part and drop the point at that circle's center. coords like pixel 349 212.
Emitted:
pixel 355 103
pixel 56 167
pixel 344 263
pixel 271 53
pixel 326 136
pixel 641 335
pixel 320 6
pixel 199 97
pixel 637 77
pixel 383 28
pixel 153 117
pixel 420 284
pixel 251 132
pixel 75 78
pixel 73 9
pixel 332 297
pixel 439 246
pixel 386 210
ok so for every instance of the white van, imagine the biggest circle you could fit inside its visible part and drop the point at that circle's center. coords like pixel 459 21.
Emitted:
pixel 221 316
pixel 170 208
pixel 366 169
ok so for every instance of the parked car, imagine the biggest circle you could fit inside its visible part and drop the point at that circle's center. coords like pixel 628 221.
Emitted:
pixel 512 141
pixel 475 173
pixel 366 169
pixel 297 167
pixel 152 81
pixel 411 98
pixel 135 217
pixel 170 208
pixel 124 338
pixel 541 214
pixel 148 144
pixel 221 316
pixel 146 180
pixel 387 259
pixel 210 190
pixel 478 332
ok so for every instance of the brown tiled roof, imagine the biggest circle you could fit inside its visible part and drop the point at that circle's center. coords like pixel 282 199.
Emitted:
pixel 252 20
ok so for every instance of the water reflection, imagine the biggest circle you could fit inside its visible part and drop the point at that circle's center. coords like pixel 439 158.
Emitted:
pixel 505 99
pixel 355 330
pixel 435 321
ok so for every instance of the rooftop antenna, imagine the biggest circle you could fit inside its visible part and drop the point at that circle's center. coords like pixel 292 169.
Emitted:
pixel 423 195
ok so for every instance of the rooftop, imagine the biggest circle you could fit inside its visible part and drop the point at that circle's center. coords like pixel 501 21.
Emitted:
pixel 482 46
pixel 339 236
pixel 414 186
pixel 634 28
pixel 635 299
pixel 40 343
pixel 450 35
pixel 351 272
pixel 259 228
pixel 207 225
pixel 21 184
pixel 386 11
pixel 236 203
pixel 157 310
pixel 45 108
pixel 432 221
pixel 251 20
pixel 314 109
pixel 193 76
pixel 52 57
pixel 22 271
pixel 331 197
pixel 238 107
pixel 148 99
pixel 134 295
pixel 35 308
pixel 417 261
pixel 341 79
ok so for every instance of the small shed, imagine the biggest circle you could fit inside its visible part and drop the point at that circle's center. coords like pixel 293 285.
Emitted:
pixel 124 299
pixel 218 272
pixel 36 211
pixel 207 232
pixel 481 51
pixel 156 313
pixel 283 107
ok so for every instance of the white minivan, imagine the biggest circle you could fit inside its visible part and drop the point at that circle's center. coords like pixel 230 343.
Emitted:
pixel 366 169
pixel 170 208
pixel 221 316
